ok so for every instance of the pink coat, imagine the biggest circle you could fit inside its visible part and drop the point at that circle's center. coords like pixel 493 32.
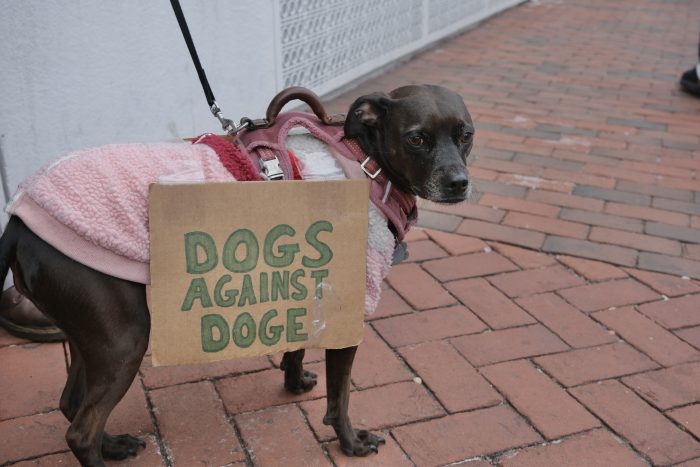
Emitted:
pixel 92 205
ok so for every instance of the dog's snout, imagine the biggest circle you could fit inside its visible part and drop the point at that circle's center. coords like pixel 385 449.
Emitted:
pixel 453 186
pixel 457 181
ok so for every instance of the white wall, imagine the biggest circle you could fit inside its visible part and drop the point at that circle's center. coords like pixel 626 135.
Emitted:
pixel 77 73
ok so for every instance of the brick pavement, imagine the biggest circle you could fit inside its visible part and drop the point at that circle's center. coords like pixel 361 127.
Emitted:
pixel 555 321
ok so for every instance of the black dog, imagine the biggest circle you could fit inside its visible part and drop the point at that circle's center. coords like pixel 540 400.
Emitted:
pixel 419 135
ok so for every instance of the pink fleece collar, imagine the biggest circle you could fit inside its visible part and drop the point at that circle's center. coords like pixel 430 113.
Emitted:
pixel 231 157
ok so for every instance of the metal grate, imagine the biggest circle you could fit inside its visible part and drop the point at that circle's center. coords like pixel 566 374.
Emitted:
pixel 324 44
pixel 321 40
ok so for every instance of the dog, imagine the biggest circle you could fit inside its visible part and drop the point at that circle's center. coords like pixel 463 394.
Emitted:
pixel 420 136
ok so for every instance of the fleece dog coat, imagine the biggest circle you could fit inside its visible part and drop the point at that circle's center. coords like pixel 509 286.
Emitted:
pixel 92 204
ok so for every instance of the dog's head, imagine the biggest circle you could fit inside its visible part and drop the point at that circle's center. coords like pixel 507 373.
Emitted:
pixel 420 136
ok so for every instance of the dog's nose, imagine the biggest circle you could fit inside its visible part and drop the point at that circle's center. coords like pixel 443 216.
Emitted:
pixel 457 182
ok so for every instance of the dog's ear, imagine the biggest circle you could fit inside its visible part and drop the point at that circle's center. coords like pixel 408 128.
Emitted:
pixel 368 111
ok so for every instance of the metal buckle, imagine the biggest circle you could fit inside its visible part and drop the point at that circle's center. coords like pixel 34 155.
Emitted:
pixel 370 175
pixel 271 169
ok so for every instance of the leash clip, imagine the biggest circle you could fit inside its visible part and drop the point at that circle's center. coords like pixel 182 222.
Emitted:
pixel 271 169
pixel 367 172
pixel 227 124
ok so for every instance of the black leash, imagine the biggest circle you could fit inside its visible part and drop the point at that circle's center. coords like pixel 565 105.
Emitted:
pixel 227 124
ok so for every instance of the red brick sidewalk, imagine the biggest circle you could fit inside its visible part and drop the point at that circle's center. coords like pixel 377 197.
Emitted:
pixel 497 344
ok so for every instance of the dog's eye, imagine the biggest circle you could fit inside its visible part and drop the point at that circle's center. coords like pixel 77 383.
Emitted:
pixel 415 140
pixel 466 138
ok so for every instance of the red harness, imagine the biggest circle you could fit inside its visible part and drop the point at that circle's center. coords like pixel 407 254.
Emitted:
pixel 265 149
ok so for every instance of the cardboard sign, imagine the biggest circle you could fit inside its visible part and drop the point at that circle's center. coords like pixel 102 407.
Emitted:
pixel 254 268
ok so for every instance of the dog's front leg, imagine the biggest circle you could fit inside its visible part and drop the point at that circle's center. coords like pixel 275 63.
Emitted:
pixel 352 442
pixel 297 380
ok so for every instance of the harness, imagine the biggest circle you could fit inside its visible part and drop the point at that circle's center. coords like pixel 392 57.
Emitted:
pixel 262 154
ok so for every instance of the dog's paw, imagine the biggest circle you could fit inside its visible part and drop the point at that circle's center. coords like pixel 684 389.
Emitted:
pixel 120 446
pixel 362 444
pixel 303 384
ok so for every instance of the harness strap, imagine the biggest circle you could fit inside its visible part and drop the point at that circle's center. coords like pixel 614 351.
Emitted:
pixel 406 201
pixel 237 163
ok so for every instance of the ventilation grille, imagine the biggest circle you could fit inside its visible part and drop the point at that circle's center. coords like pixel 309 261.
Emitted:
pixel 324 40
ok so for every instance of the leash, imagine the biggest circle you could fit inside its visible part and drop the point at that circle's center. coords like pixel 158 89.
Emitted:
pixel 227 124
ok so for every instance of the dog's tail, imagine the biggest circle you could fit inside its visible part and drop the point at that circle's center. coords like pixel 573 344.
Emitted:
pixel 8 247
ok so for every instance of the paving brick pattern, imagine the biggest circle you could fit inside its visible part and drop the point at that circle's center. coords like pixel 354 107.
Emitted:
pixel 554 321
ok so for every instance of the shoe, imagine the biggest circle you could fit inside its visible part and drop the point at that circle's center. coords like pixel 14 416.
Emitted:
pixel 689 82
pixel 21 318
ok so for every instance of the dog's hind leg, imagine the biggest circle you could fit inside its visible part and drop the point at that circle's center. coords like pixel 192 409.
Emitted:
pixel 107 323
pixel 338 368
pixel 104 388
pixel 297 380
pixel 105 360
pixel 113 447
